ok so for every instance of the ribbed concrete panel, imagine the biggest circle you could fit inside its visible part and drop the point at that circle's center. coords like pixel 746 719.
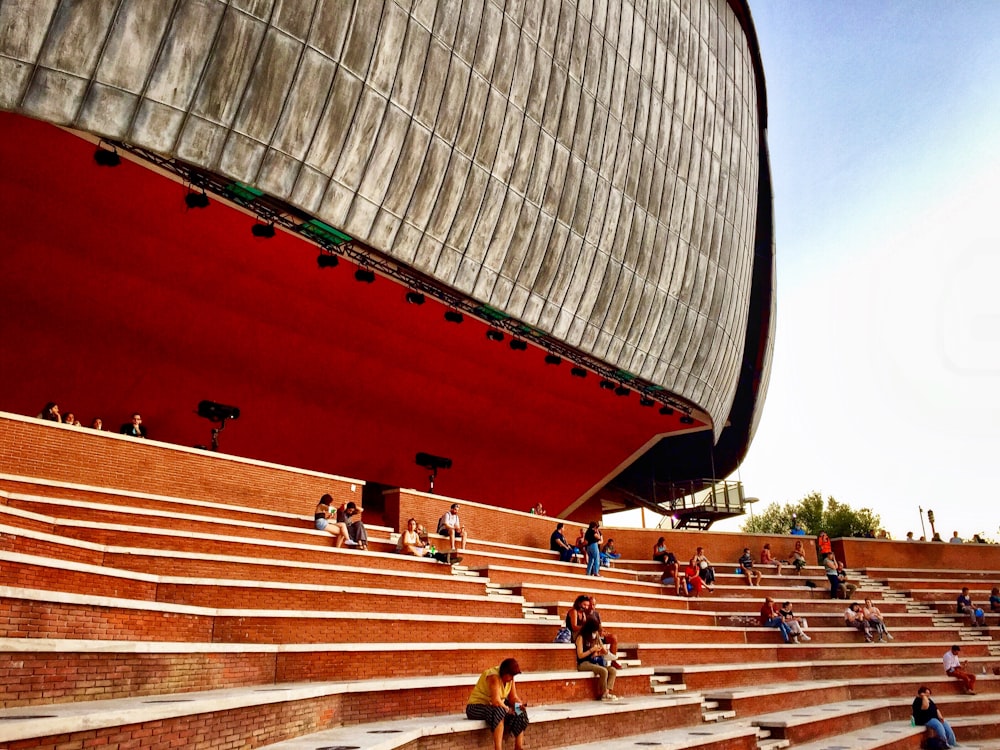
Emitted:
pixel 588 167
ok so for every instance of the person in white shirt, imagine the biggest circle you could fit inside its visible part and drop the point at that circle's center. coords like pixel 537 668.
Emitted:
pixel 953 668
pixel 451 526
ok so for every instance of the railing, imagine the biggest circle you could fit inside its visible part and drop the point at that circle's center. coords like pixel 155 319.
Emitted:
pixel 699 497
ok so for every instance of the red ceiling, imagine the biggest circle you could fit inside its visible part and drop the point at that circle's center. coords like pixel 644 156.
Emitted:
pixel 115 297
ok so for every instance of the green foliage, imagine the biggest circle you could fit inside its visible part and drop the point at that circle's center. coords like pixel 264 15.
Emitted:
pixel 813 516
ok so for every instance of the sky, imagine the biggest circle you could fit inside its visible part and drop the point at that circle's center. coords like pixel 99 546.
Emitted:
pixel 884 134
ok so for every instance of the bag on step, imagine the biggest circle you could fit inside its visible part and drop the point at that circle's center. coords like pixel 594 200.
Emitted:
pixel 564 636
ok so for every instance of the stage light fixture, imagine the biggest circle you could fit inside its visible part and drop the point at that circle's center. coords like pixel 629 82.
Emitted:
pixel 325 260
pixel 621 391
pixel 262 230
pixel 666 411
pixel 686 419
pixel 518 345
pixel 578 372
pixel 608 385
pixel 107 157
pixel 453 316
pixel 553 359
pixel 646 401
pixel 365 275
pixel 415 298
pixel 494 335
pixel 196 200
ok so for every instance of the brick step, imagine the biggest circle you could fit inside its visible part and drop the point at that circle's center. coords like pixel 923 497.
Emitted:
pixel 708 677
pixel 893 735
pixel 548 730
pixel 878 653
pixel 809 723
pixel 42 672
pixel 60 493
pixel 372 569
pixel 29 613
pixel 727 735
pixel 265 714
pixel 27 571
pixel 753 700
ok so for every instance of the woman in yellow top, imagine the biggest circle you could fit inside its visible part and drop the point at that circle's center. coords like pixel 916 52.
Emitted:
pixel 494 700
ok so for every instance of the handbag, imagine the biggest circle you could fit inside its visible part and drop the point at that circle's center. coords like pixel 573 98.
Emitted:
pixel 564 636
pixel 598 660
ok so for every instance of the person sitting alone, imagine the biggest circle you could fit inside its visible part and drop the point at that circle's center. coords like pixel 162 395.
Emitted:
pixel 322 521
pixel 798 557
pixel 995 599
pixel 751 575
pixel 927 714
pixel 590 657
pixel 450 525
pixel 766 558
pixel 558 543
pixel 50 412
pixel 135 428
pixel 494 699
pixel 953 668
pixel 350 515
pixel 609 553
pixel 964 606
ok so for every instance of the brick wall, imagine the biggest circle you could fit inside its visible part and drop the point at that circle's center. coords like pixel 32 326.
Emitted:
pixel 32 447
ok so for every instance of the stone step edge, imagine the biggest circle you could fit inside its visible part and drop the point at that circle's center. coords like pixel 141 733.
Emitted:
pixel 411 730
pixel 63 718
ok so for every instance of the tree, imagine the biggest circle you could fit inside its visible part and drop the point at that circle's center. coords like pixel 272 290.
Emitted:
pixel 814 515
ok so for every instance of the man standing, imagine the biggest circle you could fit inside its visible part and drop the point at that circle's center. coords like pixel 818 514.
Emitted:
pixel 955 538
pixel 927 714
pixel 953 668
pixel 451 526
pixel 824 546
pixel 135 428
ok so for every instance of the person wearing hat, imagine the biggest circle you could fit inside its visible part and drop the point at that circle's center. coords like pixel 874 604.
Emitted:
pixel 953 668
pixel 450 525
pixel 494 699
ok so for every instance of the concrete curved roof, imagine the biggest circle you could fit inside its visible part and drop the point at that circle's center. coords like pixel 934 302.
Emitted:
pixel 591 169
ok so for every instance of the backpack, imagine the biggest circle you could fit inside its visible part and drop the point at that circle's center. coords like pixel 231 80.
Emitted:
pixel 563 636
pixel 933 742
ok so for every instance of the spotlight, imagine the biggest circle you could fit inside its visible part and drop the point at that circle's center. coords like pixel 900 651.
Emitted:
pixel 646 401
pixel 107 158
pixel 453 316
pixel 365 275
pixel 493 335
pixel 553 359
pixel 326 260
pixel 686 419
pixel 578 372
pixel 196 200
pixel 518 345
pixel 621 391
pixel 415 298
pixel 262 230
pixel 666 411
pixel 607 385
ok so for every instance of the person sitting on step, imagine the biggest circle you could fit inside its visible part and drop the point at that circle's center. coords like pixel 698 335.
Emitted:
pixel 450 525
pixel 590 657
pixel 321 518
pixel 854 618
pixel 874 616
pixel 796 625
pixel 494 699
pixel 751 575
